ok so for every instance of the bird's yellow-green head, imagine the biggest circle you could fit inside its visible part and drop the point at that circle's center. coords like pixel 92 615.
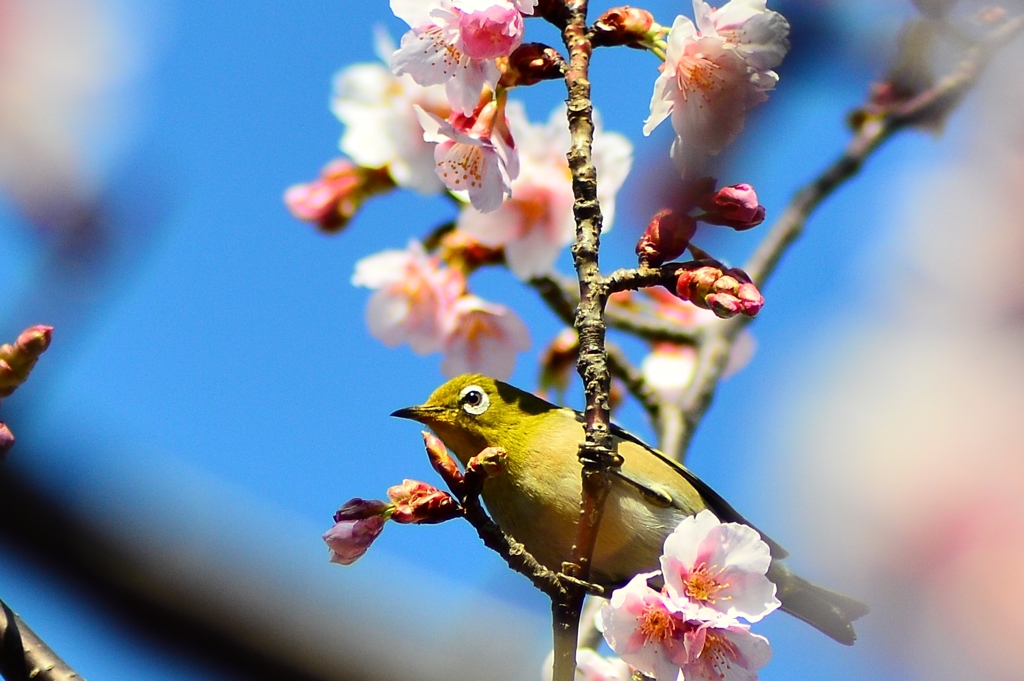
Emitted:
pixel 472 412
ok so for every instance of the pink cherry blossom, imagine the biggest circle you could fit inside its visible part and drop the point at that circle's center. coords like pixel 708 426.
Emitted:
pixel 455 43
pixel 482 338
pixel 729 654
pixel 756 32
pixel 710 79
pixel 537 222
pixel 381 126
pixel 414 297
pixel 590 666
pixel 348 540
pixel 649 631
pixel 715 571
pixel 474 154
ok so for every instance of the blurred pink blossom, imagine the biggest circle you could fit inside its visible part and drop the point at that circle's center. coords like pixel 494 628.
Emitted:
pixel 414 297
pixel 482 337
pixel 590 666
pixel 381 126
pixel 537 222
pixel 668 369
pixel 455 43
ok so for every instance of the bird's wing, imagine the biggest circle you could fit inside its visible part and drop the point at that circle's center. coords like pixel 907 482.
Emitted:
pixel 662 497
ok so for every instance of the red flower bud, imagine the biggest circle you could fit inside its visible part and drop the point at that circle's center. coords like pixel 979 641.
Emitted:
pixel 623 26
pixel 348 540
pixel 418 503
pixel 666 237
pixel 333 199
pixel 531 63
pixel 442 462
pixel 734 206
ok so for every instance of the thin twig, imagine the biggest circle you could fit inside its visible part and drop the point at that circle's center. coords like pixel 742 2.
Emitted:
pixel 24 656
pixel 928 106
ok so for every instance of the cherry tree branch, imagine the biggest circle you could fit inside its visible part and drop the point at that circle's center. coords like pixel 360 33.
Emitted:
pixel 929 106
pixel 24 656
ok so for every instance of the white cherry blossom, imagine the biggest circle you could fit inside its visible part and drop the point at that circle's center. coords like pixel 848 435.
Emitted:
pixel 381 126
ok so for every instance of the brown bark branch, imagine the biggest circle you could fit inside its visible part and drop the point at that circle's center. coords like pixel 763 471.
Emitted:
pixel 24 656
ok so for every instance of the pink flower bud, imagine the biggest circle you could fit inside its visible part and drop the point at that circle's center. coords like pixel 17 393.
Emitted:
pixel 724 292
pixel 489 463
pixel 666 237
pixel 415 502
pixel 348 540
pixel 6 440
pixel 442 462
pixel 734 206
pixel 623 26
pixel 333 199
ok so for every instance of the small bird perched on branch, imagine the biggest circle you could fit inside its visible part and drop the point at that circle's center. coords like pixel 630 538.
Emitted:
pixel 536 499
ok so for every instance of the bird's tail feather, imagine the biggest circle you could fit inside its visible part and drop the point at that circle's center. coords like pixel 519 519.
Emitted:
pixel 829 612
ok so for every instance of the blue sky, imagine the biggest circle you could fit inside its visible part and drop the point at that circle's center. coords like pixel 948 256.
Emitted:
pixel 218 394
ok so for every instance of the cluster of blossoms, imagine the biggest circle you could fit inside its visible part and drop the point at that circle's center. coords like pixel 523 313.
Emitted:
pixel 436 117
pixel 713 577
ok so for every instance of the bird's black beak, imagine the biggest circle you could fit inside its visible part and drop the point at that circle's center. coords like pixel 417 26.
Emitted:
pixel 423 414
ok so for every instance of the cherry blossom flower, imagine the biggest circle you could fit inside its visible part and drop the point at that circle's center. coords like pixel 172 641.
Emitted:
pixel 482 338
pixel 590 666
pixel 715 71
pixel 414 297
pixel 649 631
pixel 537 222
pixel 729 654
pixel 668 370
pixel 474 154
pixel 381 126
pixel 735 206
pixel 455 43
pixel 715 571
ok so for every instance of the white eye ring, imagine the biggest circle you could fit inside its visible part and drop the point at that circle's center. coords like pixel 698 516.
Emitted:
pixel 474 400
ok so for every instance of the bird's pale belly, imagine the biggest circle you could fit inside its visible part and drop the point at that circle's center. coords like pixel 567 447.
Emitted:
pixel 629 540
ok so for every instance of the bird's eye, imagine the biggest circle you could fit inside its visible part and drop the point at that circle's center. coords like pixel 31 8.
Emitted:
pixel 474 400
